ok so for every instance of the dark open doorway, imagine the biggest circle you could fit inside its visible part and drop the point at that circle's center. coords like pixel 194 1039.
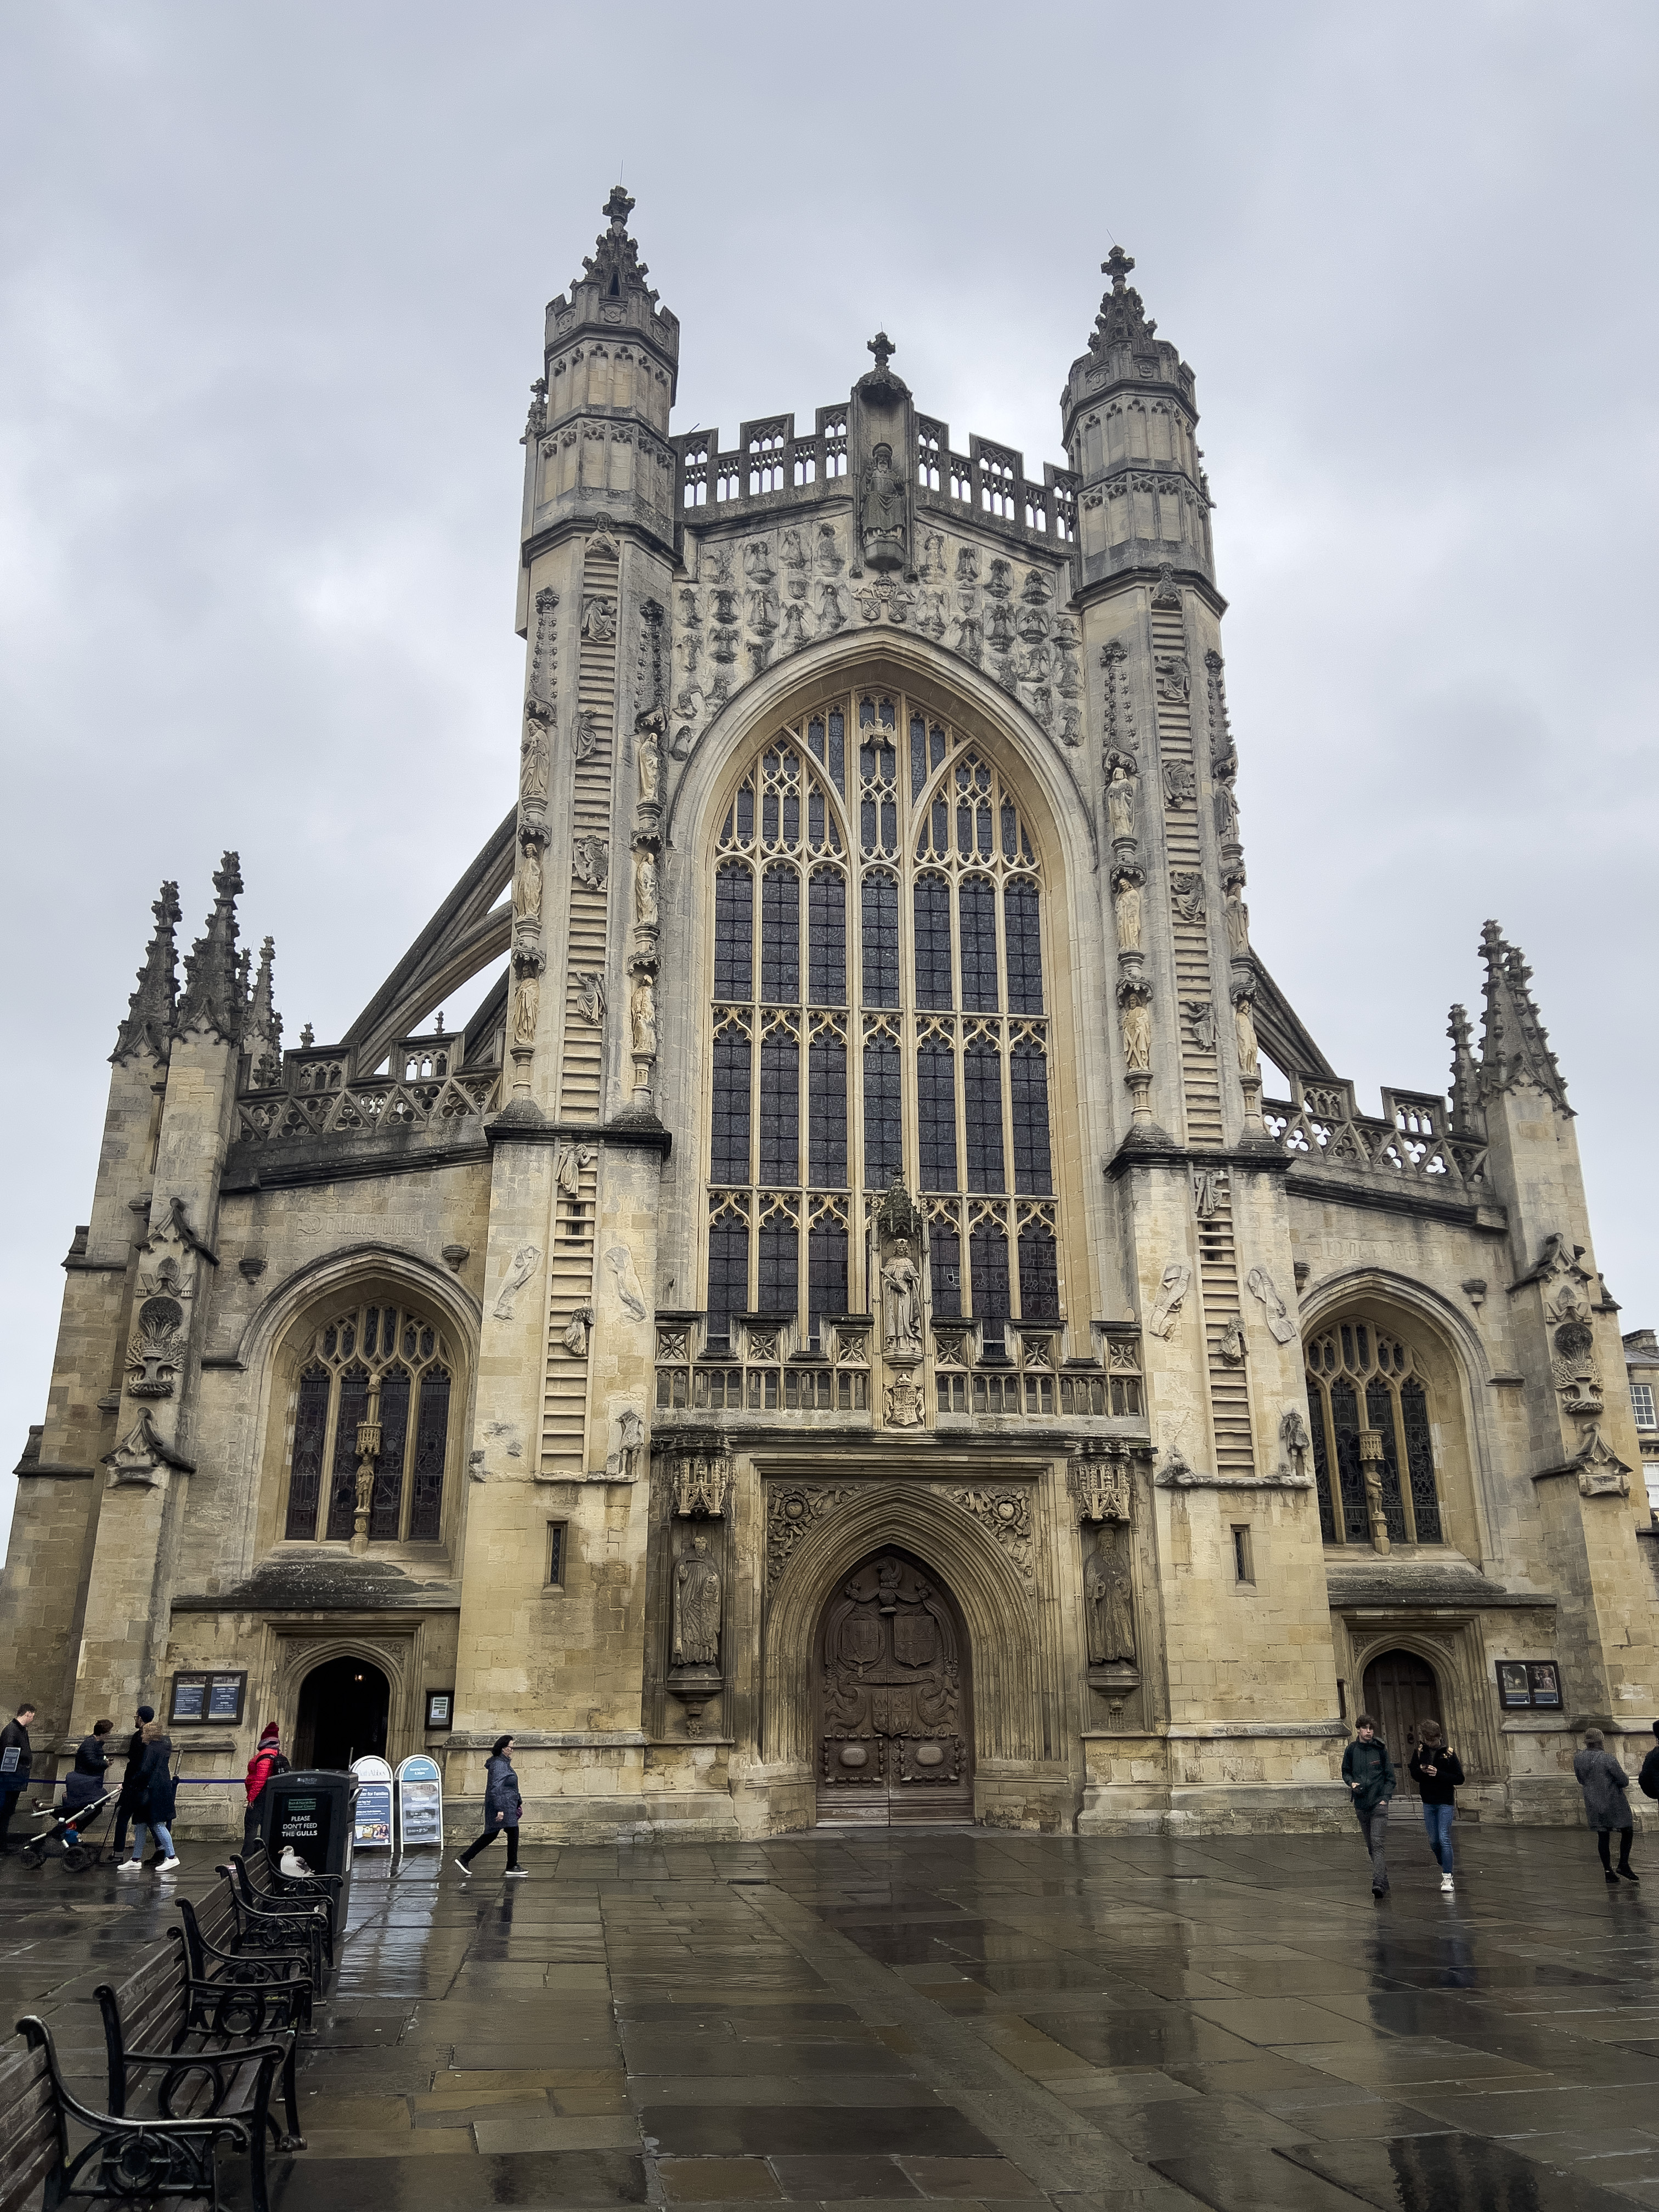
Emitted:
pixel 343 1708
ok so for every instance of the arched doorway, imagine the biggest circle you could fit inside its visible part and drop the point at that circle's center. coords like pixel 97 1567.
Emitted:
pixel 1400 1693
pixel 890 1698
pixel 344 1705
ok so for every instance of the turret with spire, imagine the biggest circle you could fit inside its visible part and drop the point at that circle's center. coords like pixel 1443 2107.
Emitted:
pixel 1129 419
pixel 214 994
pixel 1515 1046
pixel 149 1022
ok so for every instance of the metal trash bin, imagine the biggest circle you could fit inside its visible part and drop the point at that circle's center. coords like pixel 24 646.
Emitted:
pixel 312 1811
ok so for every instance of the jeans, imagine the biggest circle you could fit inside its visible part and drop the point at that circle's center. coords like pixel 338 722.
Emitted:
pixel 1438 1819
pixel 489 1838
pixel 1374 1826
pixel 164 1839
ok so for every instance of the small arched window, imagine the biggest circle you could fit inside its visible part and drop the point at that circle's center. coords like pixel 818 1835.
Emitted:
pixel 1368 1409
pixel 374 1393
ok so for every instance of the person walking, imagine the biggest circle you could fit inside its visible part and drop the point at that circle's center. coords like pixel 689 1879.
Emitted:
pixel 85 1784
pixel 1604 1782
pixel 1648 1780
pixel 1368 1773
pixel 503 1807
pixel 153 1807
pixel 127 1804
pixel 14 1769
pixel 267 1761
pixel 1437 1771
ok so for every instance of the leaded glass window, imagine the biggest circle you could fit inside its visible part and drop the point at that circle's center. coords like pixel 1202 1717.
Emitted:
pixel 369 1369
pixel 878 1010
pixel 1368 1408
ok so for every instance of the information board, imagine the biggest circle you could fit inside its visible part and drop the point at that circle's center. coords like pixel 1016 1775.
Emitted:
pixel 305 1818
pixel 420 1803
pixel 371 1825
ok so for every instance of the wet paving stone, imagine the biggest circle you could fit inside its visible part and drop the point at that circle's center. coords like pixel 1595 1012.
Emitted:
pixel 962 2017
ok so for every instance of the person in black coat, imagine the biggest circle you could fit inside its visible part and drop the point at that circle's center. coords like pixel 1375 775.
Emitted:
pixel 86 1783
pixel 1648 1780
pixel 1368 1773
pixel 127 1804
pixel 503 1807
pixel 154 1808
pixel 1437 1771
pixel 14 1768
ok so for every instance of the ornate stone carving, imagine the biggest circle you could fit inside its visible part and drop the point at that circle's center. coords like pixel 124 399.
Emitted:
pixel 1109 1600
pixel 903 1403
pixel 576 1330
pixel 1574 1368
pixel 590 996
pixel 526 1005
pixel 620 1261
pixel 1230 1349
pixel 645 888
pixel 1208 1184
pixel 1166 594
pixel 901 1304
pixel 1174 678
pixel 1135 1021
pixel 1121 798
pixel 590 861
pixel 696 1605
pixel 525 1260
pixel 569 1164
pixel 1201 1020
pixel 599 618
pixel 527 886
pixel 1601 1472
pixel 1224 761
pixel 793 1510
pixel 158 1349
pixel 545 658
pixel 1249 1062
pixel 1180 786
pixel 627 1462
pixel 1178 1276
pixel 1237 916
pixel 1259 1285
pixel 701 1476
pixel 148 1020
pixel 1006 1511
pixel 1187 896
pixel 643 1017
pixel 584 735
pixel 1101 1480
pixel 1297 1443
pixel 648 732
pixel 1126 908
pixel 142 1454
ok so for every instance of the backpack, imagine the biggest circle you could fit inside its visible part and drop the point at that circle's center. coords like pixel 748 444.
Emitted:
pixel 278 1765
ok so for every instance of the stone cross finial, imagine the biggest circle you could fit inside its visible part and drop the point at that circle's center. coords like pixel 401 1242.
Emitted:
pixel 619 208
pixel 1117 265
pixel 882 348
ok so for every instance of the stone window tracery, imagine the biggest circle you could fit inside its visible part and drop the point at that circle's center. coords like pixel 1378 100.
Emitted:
pixel 1368 1406
pixel 878 892
pixel 375 1383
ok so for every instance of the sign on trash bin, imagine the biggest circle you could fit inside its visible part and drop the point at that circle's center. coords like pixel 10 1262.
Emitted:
pixel 372 1828
pixel 420 1803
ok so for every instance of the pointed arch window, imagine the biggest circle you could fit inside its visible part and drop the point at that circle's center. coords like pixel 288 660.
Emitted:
pixel 878 1008
pixel 374 1390
pixel 1368 1415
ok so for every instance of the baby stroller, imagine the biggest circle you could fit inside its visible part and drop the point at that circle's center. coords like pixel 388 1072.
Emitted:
pixel 68 1831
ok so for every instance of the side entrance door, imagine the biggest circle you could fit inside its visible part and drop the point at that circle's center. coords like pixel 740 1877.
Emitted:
pixel 891 1697
pixel 1400 1693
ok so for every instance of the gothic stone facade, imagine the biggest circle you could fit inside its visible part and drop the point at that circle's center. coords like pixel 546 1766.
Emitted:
pixel 842 1334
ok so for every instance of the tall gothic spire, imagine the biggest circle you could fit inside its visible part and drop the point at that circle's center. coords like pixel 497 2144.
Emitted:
pixel 262 1033
pixel 1515 1046
pixel 1122 317
pixel 615 265
pixel 149 1010
pixel 212 998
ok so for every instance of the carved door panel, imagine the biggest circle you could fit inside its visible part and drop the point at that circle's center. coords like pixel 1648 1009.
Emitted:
pixel 889 1697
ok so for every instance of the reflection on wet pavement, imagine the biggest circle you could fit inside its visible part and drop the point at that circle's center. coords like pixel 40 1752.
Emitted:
pixel 955 2014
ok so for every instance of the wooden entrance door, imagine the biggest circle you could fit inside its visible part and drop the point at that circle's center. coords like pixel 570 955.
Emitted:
pixel 1401 1692
pixel 891 1700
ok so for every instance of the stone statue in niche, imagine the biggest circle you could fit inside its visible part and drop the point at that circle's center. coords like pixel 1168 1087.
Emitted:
pixel 1237 917
pixel 1109 1598
pixel 1126 906
pixel 697 1607
pixel 1293 1435
pixel 1226 814
pixel 525 1260
pixel 648 757
pixel 532 759
pixel 590 996
pixel 642 1015
pixel 630 1445
pixel 1136 1026
pixel 1172 1290
pixel 901 1295
pixel 1201 1019
pixel 527 886
pixel 1244 1029
pixel 598 618
pixel 575 1331
pixel 584 734
pixel 1120 795
pixel 645 889
pixel 881 513
pixel 527 1005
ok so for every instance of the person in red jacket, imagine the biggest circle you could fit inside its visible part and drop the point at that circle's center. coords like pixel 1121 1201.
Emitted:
pixel 265 1762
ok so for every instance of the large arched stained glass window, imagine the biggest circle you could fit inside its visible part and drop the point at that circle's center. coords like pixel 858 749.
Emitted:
pixel 878 1009
pixel 374 1385
pixel 1368 1411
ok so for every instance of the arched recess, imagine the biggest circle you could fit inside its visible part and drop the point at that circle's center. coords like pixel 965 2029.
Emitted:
pixel 1458 1369
pixel 1456 1655
pixel 273 1347
pixel 396 1651
pixel 1014 1674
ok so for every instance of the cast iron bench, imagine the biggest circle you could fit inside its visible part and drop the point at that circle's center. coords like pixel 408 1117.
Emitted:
pixel 261 1880
pixel 264 1924
pixel 205 2035
pixel 210 1938
pixel 124 2161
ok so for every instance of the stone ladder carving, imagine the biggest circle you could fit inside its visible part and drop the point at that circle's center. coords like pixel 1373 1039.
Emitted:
pixel 1218 1273
pixel 1200 1082
pixel 581 1069
pixel 569 1292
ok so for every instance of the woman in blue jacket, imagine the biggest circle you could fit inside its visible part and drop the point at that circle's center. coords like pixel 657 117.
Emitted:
pixel 155 1793
pixel 502 1807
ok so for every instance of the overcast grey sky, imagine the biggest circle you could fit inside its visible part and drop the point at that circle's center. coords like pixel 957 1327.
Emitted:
pixel 272 285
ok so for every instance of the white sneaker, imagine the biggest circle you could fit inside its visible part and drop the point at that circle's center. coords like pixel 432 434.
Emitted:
pixel 517 1873
pixel 466 1871
pixel 129 1866
pixel 166 1866
pixel 1446 1885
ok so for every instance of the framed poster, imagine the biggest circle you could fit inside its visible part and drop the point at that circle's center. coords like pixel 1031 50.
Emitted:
pixel 207 1696
pixel 439 1708
pixel 1529 1686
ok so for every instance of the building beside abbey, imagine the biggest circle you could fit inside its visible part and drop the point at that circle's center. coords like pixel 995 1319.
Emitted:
pixel 840 1333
